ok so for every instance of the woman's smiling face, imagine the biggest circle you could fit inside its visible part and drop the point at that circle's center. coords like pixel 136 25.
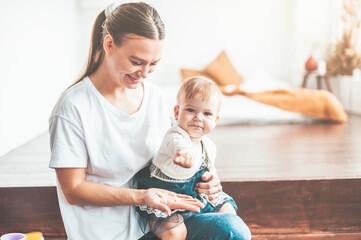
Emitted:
pixel 133 60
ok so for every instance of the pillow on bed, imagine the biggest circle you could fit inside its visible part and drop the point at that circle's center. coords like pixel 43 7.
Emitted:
pixel 261 80
pixel 187 73
pixel 222 70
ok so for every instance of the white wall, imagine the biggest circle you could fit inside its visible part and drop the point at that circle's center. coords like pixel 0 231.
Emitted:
pixel 252 33
pixel 37 61
pixel 274 37
pixel 315 27
pixel 44 45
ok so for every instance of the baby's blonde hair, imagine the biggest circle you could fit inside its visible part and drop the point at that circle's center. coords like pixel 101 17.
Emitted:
pixel 199 85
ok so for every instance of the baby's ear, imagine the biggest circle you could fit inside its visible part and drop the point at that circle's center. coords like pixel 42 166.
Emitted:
pixel 176 112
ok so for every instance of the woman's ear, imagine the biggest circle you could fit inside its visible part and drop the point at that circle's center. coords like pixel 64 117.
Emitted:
pixel 108 44
pixel 176 112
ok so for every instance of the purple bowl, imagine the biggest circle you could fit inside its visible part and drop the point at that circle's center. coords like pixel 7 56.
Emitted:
pixel 13 236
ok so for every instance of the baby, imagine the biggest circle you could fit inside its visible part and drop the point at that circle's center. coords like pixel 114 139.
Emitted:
pixel 196 114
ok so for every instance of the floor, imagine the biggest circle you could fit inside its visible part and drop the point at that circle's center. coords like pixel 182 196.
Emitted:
pixel 289 152
pixel 27 166
pixel 244 153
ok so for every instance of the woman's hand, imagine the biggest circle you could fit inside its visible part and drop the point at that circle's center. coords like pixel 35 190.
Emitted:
pixel 183 159
pixel 166 200
pixel 212 187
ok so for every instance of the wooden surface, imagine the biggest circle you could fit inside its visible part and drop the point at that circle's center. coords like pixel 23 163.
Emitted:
pixel 299 206
pixel 268 207
pixel 27 166
pixel 289 152
pixel 244 153
pixel 341 236
pixel 289 181
pixel 30 209
pixel 319 78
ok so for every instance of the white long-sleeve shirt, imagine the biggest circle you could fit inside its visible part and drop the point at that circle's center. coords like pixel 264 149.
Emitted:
pixel 175 139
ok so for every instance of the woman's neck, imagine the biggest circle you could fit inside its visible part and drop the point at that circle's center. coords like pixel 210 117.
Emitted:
pixel 126 100
pixel 102 80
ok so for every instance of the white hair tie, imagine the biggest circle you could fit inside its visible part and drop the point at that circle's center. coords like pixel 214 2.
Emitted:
pixel 111 8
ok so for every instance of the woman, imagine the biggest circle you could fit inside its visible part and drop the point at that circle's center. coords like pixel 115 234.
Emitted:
pixel 108 125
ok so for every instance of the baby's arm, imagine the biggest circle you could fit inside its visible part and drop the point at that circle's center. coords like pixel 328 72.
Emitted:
pixel 183 158
pixel 186 164
pixel 180 148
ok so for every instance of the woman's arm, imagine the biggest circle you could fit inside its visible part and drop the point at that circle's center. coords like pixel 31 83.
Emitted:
pixel 79 191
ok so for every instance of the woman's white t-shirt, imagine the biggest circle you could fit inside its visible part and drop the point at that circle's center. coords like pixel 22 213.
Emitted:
pixel 87 131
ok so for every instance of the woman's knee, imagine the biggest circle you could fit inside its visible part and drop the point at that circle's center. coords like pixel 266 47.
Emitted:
pixel 217 226
pixel 236 228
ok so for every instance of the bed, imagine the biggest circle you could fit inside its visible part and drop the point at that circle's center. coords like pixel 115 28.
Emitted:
pixel 260 98
pixel 242 110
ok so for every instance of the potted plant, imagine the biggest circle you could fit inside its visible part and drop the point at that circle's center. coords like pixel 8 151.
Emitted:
pixel 345 55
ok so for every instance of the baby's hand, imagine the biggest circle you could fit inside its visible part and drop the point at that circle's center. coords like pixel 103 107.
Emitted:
pixel 183 159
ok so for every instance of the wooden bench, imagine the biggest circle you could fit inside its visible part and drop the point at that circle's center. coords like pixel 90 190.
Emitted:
pixel 279 209
pixel 296 181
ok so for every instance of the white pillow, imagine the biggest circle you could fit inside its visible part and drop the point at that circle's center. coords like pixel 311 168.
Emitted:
pixel 262 81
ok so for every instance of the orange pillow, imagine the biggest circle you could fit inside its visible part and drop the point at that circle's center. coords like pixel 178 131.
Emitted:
pixel 187 73
pixel 222 70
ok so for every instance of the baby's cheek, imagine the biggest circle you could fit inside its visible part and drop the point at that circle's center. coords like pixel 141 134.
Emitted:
pixel 210 126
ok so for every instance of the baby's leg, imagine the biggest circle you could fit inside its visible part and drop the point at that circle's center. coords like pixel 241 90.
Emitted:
pixel 177 233
pixel 227 208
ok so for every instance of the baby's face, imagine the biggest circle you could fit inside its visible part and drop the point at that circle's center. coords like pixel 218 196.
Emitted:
pixel 197 116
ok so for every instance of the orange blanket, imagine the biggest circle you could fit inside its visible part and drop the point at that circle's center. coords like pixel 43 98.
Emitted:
pixel 315 103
